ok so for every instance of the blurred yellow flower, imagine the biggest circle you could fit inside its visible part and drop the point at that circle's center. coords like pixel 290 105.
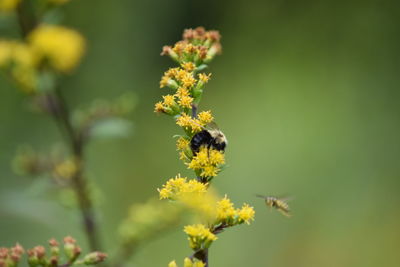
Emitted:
pixel 8 5
pixel 180 185
pixel 62 47
pixel 5 52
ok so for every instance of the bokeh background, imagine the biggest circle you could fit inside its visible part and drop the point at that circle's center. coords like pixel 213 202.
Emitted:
pixel 307 93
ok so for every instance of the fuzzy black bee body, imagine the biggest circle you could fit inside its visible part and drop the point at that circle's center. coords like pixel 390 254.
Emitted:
pixel 210 138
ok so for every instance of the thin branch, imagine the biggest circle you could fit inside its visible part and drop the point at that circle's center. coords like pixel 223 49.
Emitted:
pixel 62 117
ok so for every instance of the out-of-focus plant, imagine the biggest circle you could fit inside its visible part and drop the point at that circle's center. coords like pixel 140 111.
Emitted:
pixel 67 255
pixel 200 149
pixel 36 63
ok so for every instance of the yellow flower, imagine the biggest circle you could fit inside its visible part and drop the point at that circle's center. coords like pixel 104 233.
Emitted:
pixel 182 143
pixel 159 107
pixel 246 213
pixel 188 81
pixel 209 171
pixel 178 186
pixel 204 77
pixel 207 160
pixel 172 264
pixel 188 66
pixel 195 263
pixel 187 263
pixel 24 55
pixel 62 47
pixel 8 5
pixel 216 157
pixel 181 92
pixel 185 101
pixel 225 209
pixel 188 123
pixel 169 100
pixel 164 81
pixel 199 264
pixel 205 117
pixel 199 236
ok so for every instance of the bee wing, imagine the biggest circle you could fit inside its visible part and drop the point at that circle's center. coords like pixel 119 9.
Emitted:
pixel 212 126
pixel 286 198
pixel 261 196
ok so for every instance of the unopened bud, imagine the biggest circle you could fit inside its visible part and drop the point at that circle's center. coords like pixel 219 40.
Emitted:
pixel 3 253
pixel 94 258
pixel 17 249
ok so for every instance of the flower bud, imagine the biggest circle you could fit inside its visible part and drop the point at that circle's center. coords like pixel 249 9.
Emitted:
pixel 94 258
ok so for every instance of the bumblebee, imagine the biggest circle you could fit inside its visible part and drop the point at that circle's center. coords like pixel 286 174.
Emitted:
pixel 211 138
pixel 277 203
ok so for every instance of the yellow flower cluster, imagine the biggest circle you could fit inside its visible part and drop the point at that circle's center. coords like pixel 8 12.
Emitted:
pixel 8 5
pixel 199 236
pixel 179 77
pixel 246 214
pixel 188 263
pixel 207 162
pixel 188 123
pixel 21 59
pixel 62 47
pixel 178 186
pixel 225 209
pixel 57 46
pixel 229 216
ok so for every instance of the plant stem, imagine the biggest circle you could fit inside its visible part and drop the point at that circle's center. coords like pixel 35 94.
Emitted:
pixel 202 255
pixel 79 183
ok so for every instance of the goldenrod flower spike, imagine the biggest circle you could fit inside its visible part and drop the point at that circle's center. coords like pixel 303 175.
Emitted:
pixel 197 48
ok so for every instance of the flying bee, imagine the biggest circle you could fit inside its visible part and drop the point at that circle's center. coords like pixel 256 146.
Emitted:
pixel 211 137
pixel 277 203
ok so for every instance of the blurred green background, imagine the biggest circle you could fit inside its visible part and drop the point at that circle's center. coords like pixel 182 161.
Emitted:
pixel 307 93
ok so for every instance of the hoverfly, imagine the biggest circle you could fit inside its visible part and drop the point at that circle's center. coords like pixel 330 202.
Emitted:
pixel 279 204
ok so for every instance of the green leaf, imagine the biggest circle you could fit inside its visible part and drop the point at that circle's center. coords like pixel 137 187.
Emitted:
pixel 111 128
